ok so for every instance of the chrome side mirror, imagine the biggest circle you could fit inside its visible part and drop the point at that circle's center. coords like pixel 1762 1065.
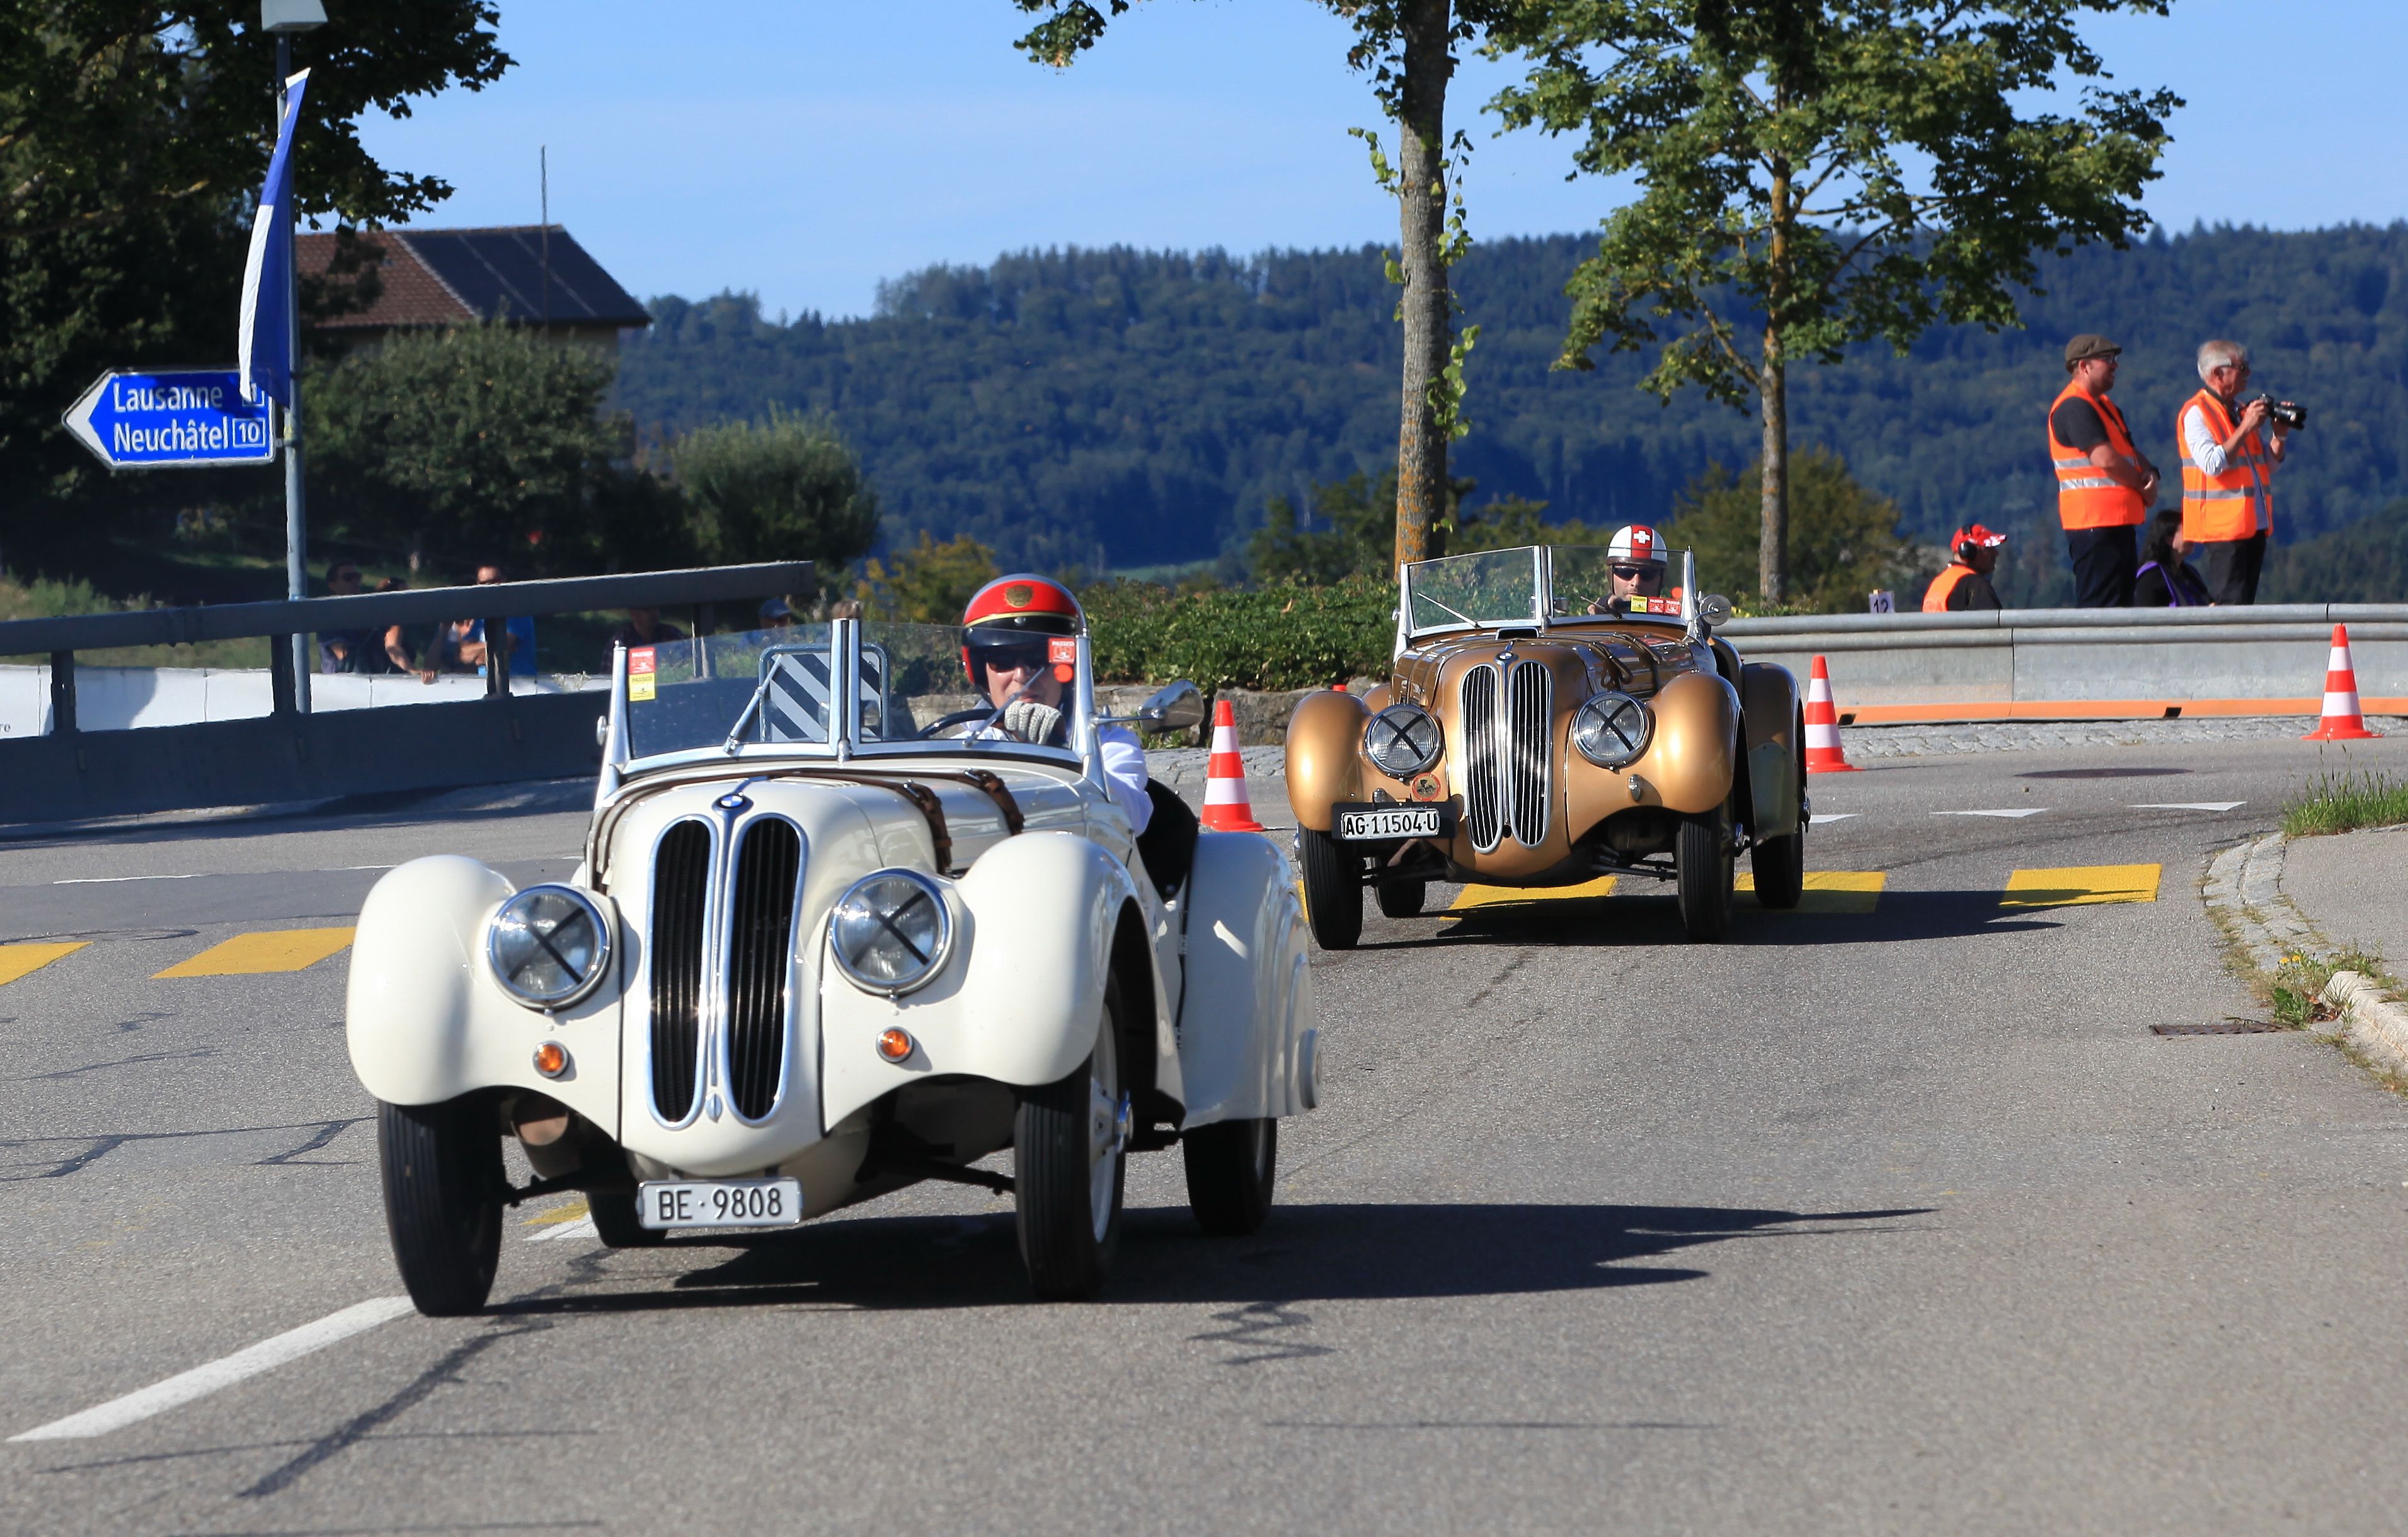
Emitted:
pixel 1177 707
pixel 1714 609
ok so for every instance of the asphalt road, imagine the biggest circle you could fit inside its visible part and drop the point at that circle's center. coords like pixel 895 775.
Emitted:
pixel 1898 1220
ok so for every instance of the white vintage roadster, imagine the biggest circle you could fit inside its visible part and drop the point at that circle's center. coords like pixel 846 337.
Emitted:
pixel 815 954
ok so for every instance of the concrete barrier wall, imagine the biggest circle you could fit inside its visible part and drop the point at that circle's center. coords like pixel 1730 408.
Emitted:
pixel 111 699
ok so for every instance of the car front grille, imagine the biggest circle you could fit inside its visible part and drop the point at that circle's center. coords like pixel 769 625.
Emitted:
pixel 1507 725
pixel 680 898
pixel 759 943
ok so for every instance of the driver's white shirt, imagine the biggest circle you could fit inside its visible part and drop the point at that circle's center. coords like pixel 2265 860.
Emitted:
pixel 1123 771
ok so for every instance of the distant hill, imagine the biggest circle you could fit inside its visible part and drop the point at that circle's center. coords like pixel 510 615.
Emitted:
pixel 1113 408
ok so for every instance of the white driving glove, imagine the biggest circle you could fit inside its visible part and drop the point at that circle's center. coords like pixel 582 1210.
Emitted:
pixel 1030 721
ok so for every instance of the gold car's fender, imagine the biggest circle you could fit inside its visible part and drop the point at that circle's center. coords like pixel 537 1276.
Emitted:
pixel 1324 762
pixel 1775 792
pixel 1688 766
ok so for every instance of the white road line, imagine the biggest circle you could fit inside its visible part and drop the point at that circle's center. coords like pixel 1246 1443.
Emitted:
pixel 2027 811
pixel 2189 805
pixel 582 1227
pixel 115 880
pixel 201 1381
pixel 1821 817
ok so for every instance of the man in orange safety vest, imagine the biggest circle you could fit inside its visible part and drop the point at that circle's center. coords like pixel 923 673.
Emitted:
pixel 2228 471
pixel 1965 584
pixel 2104 485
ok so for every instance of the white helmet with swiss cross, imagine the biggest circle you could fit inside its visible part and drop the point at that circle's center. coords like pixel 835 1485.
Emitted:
pixel 1636 544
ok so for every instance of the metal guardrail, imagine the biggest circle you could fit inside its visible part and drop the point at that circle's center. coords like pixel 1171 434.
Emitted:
pixel 1994 626
pixel 494 603
pixel 290 755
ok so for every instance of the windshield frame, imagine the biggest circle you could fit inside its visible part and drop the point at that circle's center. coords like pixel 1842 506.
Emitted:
pixel 1543 599
pixel 845 743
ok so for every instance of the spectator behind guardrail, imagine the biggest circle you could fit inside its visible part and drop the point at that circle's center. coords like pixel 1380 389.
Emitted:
pixel 1965 585
pixel 644 628
pixel 360 650
pixel 517 635
pixel 2167 580
pixel 2104 485
pixel 2227 473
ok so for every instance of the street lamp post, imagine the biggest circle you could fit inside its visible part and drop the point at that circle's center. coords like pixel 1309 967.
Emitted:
pixel 283 18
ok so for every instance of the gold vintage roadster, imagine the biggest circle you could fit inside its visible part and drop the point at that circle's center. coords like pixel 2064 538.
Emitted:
pixel 1538 729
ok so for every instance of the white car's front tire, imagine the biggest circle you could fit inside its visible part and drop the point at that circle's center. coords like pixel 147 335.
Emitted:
pixel 1069 1148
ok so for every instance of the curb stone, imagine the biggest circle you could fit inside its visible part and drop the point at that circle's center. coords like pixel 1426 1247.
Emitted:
pixel 2243 890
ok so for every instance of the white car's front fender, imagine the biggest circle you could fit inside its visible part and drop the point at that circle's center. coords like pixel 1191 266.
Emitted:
pixel 1018 999
pixel 425 1020
pixel 1247 1046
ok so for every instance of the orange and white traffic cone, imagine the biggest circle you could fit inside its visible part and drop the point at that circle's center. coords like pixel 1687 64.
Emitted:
pixel 1823 754
pixel 2343 720
pixel 1227 809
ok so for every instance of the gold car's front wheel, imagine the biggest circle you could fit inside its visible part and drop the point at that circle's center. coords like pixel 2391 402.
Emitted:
pixel 1702 861
pixel 1333 889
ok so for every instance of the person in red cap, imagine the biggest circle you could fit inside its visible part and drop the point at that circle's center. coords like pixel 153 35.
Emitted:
pixel 1008 630
pixel 1965 584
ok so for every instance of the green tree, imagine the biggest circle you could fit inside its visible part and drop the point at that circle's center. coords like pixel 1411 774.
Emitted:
pixel 1843 539
pixel 133 136
pixel 928 583
pixel 784 489
pixel 480 442
pixel 1817 172
pixel 1407 47
pixel 1359 540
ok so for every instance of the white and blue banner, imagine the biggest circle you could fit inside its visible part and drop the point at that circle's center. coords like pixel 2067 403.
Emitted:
pixel 265 358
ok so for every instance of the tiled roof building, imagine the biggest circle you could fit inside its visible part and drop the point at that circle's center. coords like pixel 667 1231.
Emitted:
pixel 405 279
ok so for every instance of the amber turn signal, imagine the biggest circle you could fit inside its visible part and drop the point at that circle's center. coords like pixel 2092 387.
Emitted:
pixel 894 1044
pixel 551 1058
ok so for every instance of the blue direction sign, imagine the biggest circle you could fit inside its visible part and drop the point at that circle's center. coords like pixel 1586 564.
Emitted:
pixel 163 419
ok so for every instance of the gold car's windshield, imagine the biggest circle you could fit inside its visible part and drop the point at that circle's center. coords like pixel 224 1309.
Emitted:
pixel 778 688
pixel 1589 579
pixel 1536 582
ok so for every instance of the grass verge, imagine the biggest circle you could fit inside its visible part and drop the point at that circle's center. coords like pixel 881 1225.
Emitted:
pixel 2340 802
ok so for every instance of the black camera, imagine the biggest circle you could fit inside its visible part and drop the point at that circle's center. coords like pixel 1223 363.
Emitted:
pixel 2292 418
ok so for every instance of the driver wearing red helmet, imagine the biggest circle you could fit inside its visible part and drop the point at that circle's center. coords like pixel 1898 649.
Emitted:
pixel 1017 645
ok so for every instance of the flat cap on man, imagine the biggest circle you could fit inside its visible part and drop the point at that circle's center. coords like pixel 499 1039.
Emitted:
pixel 2087 346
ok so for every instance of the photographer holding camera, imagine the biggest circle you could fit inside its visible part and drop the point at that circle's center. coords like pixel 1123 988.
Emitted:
pixel 2227 470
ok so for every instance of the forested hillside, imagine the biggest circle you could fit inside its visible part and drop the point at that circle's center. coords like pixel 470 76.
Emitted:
pixel 1120 408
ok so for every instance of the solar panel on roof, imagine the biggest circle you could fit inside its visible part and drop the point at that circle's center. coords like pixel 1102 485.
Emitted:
pixel 502 273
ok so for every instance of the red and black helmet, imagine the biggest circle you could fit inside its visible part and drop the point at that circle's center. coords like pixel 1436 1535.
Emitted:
pixel 1011 617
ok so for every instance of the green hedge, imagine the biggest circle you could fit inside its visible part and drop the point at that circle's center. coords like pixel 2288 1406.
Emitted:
pixel 1273 638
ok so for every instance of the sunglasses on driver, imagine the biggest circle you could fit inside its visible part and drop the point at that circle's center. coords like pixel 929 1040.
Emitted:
pixel 1013 655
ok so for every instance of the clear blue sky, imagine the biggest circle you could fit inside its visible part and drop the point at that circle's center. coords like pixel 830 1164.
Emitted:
pixel 805 149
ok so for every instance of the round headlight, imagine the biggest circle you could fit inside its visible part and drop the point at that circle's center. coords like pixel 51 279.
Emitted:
pixel 1403 740
pixel 1611 729
pixel 549 947
pixel 890 932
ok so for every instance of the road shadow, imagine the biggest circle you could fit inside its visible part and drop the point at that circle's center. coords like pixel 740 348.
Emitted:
pixel 1620 921
pixel 1323 1252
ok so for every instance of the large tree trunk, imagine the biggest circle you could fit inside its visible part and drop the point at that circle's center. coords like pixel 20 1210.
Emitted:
pixel 1773 391
pixel 1772 545
pixel 1421 443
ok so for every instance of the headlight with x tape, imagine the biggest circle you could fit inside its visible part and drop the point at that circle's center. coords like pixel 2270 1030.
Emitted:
pixel 1403 740
pixel 1611 729
pixel 549 947
pixel 890 932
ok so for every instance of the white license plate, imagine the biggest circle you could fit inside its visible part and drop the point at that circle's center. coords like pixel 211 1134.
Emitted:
pixel 1410 821
pixel 670 1203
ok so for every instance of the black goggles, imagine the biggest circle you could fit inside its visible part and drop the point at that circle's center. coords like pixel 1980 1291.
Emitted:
pixel 1632 572
pixel 1016 653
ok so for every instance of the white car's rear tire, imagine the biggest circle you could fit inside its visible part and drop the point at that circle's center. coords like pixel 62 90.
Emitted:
pixel 1232 1166
pixel 1069 1152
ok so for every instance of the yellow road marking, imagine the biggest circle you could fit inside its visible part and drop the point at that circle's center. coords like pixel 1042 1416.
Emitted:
pixel 568 1213
pixel 1492 896
pixel 273 950
pixel 1831 891
pixel 17 961
pixel 2082 886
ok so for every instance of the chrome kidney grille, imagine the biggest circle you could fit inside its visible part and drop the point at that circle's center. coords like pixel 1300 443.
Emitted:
pixel 760 939
pixel 722 939
pixel 1507 752
pixel 681 900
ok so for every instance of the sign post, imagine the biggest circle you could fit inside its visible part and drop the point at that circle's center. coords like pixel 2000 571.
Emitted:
pixel 171 418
